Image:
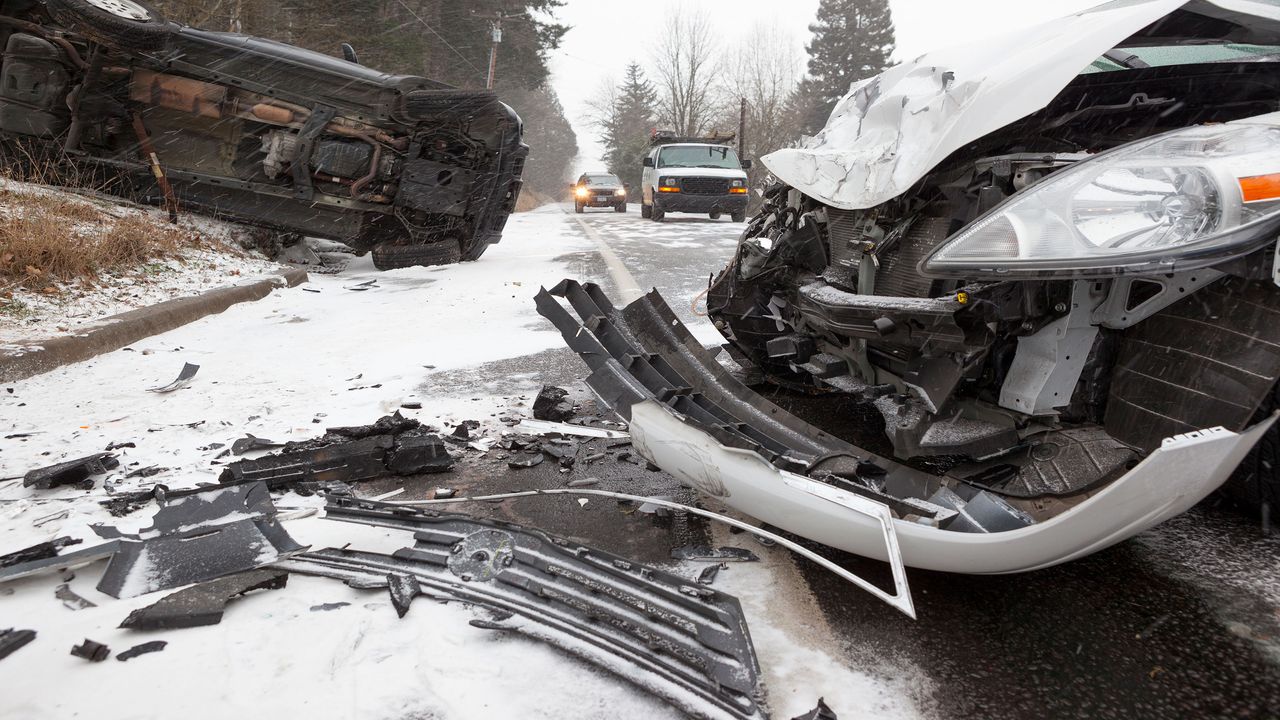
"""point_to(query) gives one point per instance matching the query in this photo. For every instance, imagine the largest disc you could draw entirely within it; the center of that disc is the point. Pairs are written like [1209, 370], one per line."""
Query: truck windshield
[704, 156]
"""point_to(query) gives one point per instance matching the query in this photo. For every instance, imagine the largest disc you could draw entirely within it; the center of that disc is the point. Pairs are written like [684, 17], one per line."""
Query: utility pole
[742, 130]
[496, 38]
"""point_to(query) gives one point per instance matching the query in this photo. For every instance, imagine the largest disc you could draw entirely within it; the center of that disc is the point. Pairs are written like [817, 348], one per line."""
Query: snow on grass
[196, 255]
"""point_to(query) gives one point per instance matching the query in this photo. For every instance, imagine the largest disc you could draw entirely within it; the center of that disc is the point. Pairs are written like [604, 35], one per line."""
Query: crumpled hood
[890, 130]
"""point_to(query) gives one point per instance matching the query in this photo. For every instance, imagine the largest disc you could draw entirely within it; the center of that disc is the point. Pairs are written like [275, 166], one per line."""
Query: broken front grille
[704, 186]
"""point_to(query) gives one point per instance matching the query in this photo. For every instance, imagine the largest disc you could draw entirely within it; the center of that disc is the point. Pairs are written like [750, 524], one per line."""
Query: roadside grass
[49, 239]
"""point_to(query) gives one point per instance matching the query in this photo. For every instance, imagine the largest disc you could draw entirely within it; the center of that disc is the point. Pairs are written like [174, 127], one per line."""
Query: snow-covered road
[342, 350]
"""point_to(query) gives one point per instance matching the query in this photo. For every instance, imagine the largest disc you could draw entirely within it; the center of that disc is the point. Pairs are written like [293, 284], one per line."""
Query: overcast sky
[606, 35]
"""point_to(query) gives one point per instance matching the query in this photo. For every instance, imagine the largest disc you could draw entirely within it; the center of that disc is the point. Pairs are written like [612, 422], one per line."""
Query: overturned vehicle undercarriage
[1052, 294]
[113, 96]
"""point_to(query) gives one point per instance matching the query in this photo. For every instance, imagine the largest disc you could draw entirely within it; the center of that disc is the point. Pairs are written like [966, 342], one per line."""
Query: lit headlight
[1177, 201]
[581, 192]
[620, 192]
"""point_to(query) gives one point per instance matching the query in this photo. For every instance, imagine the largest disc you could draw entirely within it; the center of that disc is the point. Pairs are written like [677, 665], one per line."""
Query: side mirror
[648, 162]
[746, 164]
[626, 186]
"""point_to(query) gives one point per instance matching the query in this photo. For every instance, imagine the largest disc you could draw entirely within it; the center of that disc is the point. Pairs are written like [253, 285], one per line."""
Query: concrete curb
[117, 331]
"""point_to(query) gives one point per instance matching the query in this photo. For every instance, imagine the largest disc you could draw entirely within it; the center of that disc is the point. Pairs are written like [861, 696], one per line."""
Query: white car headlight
[1176, 201]
[736, 183]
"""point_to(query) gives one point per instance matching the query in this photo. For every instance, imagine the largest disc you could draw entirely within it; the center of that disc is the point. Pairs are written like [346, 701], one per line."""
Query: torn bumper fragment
[686, 643]
[692, 418]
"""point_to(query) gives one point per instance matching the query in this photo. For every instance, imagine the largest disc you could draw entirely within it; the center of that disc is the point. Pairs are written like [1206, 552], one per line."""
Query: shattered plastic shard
[202, 604]
[72, 472]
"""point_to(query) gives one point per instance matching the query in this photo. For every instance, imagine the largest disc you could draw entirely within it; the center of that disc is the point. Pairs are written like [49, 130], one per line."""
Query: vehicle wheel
[1257, 478]
[125, 24]
[646, 211]
[739, 216]
[715, 216]
[577, 208]
[658, 213]
[390, 257]
[620, 207]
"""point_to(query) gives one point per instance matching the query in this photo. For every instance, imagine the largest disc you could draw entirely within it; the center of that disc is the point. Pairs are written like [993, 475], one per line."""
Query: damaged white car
[1043, 270]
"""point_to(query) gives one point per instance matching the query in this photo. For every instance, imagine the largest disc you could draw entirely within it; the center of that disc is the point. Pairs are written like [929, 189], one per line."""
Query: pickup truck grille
[704, 186]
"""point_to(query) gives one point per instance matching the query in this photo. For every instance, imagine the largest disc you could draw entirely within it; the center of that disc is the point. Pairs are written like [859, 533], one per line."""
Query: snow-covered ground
[31, 314]
[340, 350]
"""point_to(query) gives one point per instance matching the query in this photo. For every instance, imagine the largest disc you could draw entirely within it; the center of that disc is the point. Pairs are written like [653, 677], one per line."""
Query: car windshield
[601, 180]
[702, 156]
[1187, 55]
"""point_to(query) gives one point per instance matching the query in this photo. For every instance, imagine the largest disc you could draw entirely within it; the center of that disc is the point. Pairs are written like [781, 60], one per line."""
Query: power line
[446, 42]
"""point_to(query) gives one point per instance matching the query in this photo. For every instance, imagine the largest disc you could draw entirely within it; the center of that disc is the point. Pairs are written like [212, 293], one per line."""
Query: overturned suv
[256, 131]
[1038, 307]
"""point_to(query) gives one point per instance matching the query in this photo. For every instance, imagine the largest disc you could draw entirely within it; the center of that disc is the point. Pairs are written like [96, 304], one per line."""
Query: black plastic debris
[39, 551]
[394, 445]
[821, 712]
[119, 446]
[404, 588]
[552, 404]
[184, 379]
[525, 460]
[720, 554]
[325, 607]
[709, 573]
[202, 604]
[145, 472]
[92, 651]
[464, 428]
[600, 607]
[72, 472]
[70, 599]
[58, 562]
[250, 442]
[143, 649]
[198, 537]
[11, 640]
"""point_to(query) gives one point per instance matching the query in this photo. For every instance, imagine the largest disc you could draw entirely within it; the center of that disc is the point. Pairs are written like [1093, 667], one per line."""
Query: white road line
[628, 288]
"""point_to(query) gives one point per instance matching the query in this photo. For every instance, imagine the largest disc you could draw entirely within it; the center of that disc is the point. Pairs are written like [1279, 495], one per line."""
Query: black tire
[110, 29]
[391, 257]
[657, 213]
[646, 211]
[739, 216]
[620, 207]
[1257, 479]
[419, 105]
[577, 207]
[714, 216]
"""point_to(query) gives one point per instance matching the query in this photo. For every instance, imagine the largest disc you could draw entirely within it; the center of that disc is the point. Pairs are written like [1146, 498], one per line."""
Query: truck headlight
[620, 192]
[1177, 201]
[581, 192]
[736, 183]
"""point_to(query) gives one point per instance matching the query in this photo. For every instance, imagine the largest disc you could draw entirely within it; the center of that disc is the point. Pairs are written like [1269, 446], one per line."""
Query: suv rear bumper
[679, 202]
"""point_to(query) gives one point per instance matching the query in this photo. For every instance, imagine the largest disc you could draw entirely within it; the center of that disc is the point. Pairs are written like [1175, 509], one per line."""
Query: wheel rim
[126, 9]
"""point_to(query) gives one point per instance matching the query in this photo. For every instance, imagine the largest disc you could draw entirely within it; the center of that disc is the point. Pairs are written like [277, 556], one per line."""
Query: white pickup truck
[693, 175]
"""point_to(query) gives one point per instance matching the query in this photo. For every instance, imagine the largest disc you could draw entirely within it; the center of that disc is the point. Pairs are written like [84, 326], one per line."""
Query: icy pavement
[341, 350]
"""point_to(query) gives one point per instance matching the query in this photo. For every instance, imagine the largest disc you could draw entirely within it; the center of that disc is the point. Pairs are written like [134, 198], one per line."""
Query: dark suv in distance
[599, 190]
[256, 131]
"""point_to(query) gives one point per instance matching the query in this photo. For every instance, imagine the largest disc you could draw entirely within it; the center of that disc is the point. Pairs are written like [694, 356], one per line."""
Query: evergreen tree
[626, 125]
[852, 40]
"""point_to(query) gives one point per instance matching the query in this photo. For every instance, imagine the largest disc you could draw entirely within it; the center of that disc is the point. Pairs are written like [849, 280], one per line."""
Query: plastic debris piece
[72, 472]
[250, 442]
[92, 651]
[552, 404]
[821, 712]
[325, 607]
[444, 492]
[720, 554]
[11, 640]
[143, 649]
[404, 588]
[545, 427]
[202, 604]
[584, 482]
[39, 551]
[184, 379]
[709, 573]
[525, 460]
[70, 599]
